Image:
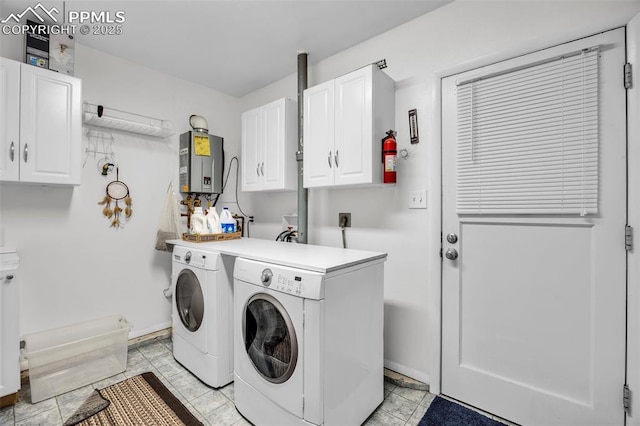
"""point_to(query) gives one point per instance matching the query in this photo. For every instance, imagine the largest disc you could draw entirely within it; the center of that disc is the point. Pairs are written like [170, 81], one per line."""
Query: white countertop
[303, 256]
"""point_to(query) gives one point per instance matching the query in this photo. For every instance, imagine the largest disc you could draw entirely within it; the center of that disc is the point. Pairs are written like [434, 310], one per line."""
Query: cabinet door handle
[258, 169]
[329, 159]
[25, 154]
[336, 158]
[262, 169]
[12, 151]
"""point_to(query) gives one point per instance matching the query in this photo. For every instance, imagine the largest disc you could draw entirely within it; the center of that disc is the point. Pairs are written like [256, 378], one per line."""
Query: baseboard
[149, 337]
[406, 371]
[7, 400]
[134, 334]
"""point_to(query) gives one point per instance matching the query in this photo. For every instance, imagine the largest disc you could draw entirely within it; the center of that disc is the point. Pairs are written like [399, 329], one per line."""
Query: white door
[251, 150]
[354, 127]
[9, 120]
[273, 119]
[318, 135]
[50, 127]
[534, 306]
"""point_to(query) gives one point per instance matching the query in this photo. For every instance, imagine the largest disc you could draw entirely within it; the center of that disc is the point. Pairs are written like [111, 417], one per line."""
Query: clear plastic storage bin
[67, 358]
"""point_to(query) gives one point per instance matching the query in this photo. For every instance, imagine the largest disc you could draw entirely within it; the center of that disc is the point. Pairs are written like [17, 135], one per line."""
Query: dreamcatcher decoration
[117, 191]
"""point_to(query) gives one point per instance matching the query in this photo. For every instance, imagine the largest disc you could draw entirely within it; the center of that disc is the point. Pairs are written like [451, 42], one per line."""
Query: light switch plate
[418, 199]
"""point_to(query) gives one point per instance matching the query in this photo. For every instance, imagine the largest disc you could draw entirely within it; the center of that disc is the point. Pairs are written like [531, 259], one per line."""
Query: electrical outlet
[344, 219]
[418, 199]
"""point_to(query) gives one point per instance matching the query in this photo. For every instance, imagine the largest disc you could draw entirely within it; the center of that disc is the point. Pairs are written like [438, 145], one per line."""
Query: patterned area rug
[140, 400]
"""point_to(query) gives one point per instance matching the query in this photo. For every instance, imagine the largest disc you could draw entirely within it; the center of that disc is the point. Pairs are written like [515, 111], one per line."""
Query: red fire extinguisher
[389, 157]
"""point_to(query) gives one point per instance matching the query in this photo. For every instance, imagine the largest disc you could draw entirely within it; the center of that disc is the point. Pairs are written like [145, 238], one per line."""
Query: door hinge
[628, 238]
[628, 79]
[626, 399]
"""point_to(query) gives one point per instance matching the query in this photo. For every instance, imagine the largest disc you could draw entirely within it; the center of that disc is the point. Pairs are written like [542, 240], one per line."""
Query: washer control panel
[293, 281]
[288, 284]
[266, 276]
[196, 258]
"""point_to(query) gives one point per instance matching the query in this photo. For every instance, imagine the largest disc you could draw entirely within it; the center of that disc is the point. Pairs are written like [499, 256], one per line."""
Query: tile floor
[401, 406]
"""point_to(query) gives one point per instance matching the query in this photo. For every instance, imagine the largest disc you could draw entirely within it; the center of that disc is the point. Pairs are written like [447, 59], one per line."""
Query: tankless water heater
[201, 163]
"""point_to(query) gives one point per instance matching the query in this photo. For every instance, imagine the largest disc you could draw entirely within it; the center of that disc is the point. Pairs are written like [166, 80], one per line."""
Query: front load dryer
[308, 344]
[203, 314]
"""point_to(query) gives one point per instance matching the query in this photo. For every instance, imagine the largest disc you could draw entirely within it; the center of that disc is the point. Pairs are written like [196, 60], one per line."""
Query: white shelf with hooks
[110, 118]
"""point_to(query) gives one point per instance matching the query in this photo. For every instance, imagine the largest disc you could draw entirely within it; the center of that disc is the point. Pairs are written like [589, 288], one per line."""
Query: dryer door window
[189, 300]
[269, 338]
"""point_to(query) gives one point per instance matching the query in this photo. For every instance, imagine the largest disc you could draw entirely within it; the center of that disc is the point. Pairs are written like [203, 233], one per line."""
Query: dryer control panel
[286, 284]
[196, 258]
[297, 282]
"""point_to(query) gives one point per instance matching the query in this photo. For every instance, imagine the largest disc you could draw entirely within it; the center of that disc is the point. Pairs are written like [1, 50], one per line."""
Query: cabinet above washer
[269, 143]
[345, 120]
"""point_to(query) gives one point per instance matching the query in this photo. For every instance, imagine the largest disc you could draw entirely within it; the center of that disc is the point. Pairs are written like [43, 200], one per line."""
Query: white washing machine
[308, 345]
[202, 285]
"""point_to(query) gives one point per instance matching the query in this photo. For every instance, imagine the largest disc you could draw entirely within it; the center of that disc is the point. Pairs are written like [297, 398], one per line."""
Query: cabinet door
[318, 135]
[9, 333]
[353, 127]
[9, 119]
[251, 150]
[273, 130]
[50, 127]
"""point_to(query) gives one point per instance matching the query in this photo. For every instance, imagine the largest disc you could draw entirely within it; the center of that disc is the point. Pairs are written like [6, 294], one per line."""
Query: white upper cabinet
[269, 143]
[318, 135]
[9, 120]
[345, 121]
[41, 132]
[251, 150]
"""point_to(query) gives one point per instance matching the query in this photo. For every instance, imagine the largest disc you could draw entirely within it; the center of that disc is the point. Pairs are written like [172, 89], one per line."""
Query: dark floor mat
[442, 412]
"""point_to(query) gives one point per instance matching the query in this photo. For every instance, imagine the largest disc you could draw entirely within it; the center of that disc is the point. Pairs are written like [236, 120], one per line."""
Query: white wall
[74, 267]
[462, 32]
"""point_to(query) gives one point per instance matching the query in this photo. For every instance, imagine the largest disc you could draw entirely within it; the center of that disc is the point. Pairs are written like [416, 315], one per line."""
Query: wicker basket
[203, 238]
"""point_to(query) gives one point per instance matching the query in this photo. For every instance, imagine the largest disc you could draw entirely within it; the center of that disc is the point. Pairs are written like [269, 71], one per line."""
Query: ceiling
[234, 46]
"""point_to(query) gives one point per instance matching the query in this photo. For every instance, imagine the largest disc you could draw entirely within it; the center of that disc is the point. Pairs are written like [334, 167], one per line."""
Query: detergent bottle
[213, 221]
[227, 222]
[198, 221]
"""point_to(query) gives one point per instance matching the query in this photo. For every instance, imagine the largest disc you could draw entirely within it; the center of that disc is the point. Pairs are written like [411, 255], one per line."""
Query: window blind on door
[527, 139]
